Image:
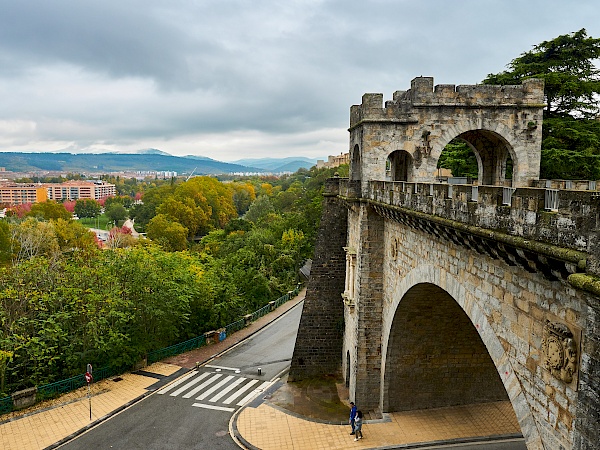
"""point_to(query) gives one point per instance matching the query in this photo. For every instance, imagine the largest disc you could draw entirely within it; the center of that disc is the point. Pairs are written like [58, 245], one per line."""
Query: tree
[32, 238]
[72, 235]
[116, 212]
[571, 131]
[566, 64]
[5, 246]
[259, 209]
[49, 210]
[170, 235]
[87, 207]
[459, 158]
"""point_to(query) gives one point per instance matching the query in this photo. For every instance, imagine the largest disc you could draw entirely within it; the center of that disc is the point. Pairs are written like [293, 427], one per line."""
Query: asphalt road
[194, 412]
[511, 444]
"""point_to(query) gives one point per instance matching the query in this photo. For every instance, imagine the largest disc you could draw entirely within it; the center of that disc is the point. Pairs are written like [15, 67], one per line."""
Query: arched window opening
[399, 166]
[355, 164]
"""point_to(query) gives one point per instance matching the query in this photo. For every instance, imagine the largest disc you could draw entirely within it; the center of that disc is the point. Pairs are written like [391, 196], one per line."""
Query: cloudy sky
[232, 79]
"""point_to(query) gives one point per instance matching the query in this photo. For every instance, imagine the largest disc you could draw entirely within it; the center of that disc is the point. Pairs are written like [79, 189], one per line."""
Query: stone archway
[399, 165]
[436, 356]
[355, 165]
[435, 283]
[492, 152]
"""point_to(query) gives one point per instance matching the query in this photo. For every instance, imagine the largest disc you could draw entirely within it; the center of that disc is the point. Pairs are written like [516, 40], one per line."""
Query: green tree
[459, 158]
[116, 212]
[87, 207]
[570, 132]
[567, 66]
[5, 244]
[49, 210]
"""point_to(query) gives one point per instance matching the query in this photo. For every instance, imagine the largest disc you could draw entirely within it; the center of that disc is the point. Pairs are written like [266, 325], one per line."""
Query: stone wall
[318, 349]
[508, 307]
[369, 306]
[587, 419]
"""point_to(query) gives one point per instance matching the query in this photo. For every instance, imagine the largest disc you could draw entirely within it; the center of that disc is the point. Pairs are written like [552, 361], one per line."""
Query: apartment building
[19, 193]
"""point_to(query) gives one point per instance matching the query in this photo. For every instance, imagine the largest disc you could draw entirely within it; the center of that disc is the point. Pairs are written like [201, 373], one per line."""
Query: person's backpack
[359, 414]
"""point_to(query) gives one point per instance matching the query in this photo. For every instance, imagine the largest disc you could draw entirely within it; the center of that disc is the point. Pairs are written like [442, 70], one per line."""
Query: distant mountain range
[144, 160]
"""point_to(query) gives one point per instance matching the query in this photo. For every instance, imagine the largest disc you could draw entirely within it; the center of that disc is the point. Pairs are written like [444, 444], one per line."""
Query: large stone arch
[429, 274]
[492, 147]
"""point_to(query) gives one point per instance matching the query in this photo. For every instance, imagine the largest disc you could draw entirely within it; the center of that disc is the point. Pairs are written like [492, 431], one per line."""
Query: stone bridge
[427, 294]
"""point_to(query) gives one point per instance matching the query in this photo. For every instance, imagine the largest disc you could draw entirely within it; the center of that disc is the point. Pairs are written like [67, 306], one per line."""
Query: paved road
[194, 411]
[512, 444]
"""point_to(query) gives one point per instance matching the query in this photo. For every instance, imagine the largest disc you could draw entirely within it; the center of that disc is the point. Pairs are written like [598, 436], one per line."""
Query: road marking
[234, 369]
[215, 387]
[176, 383]
[254, 393]
[219, 408]
[203, 385]
[186, 386]
[227, 389]
[240, 391]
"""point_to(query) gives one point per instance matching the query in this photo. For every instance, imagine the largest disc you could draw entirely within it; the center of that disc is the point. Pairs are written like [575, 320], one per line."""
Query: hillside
[116, 162]
[289, 164]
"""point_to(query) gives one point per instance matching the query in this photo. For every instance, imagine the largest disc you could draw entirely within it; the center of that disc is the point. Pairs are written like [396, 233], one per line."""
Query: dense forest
[216, 251]
[571, 126]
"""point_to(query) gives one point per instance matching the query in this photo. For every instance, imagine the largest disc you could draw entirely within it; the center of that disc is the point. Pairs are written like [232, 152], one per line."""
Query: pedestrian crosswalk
[216, 390]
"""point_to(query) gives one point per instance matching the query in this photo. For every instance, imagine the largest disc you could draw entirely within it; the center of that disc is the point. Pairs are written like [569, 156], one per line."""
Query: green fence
[176, 349]
[6, 405]
[70, 384]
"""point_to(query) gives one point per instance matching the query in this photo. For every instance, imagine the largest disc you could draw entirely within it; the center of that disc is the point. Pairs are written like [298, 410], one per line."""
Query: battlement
[561, 218]
[423, 93]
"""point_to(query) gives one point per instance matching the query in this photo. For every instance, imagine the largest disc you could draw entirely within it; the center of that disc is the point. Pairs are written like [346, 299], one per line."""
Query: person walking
[358, 425]
[352, 416]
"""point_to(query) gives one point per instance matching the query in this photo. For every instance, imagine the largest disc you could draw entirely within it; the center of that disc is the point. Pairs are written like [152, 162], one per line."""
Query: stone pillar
[369, 307]
[318, 349]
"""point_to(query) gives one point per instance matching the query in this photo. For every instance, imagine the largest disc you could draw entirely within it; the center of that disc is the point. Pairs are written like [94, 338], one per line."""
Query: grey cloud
[120, 71]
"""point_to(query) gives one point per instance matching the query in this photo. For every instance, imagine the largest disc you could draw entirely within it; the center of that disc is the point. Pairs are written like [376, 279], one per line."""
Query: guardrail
[70, 384]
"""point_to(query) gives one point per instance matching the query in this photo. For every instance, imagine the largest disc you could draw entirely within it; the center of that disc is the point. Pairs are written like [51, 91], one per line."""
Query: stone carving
[560, 351]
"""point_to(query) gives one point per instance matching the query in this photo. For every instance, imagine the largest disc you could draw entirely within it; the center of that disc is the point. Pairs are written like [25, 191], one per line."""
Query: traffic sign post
[89, 378]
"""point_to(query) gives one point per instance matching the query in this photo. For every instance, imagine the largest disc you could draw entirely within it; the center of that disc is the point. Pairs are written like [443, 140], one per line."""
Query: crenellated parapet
[543, 230]
[423, 93]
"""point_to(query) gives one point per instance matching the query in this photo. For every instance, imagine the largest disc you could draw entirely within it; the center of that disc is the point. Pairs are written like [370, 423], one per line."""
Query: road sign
[89, 369]
[88, 377]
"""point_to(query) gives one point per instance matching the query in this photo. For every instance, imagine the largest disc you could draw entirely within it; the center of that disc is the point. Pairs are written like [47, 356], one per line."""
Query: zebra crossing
[216, 390]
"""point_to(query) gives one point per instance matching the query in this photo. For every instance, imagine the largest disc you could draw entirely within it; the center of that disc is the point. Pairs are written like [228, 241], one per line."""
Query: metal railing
[57, 388]
[6, 405]
[177, 349]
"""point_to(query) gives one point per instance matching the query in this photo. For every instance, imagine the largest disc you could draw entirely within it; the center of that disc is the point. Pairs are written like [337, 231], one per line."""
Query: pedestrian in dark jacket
[352, 415]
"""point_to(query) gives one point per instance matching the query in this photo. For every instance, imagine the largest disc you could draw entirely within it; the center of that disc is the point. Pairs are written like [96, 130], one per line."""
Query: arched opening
[399, 166]
[457, 161]
[482, 155]
[348, 369]
[435, 356]
[355, 164]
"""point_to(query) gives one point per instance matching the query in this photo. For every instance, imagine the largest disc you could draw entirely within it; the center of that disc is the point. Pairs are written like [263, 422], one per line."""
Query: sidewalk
[267, 427]
[264, 423]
